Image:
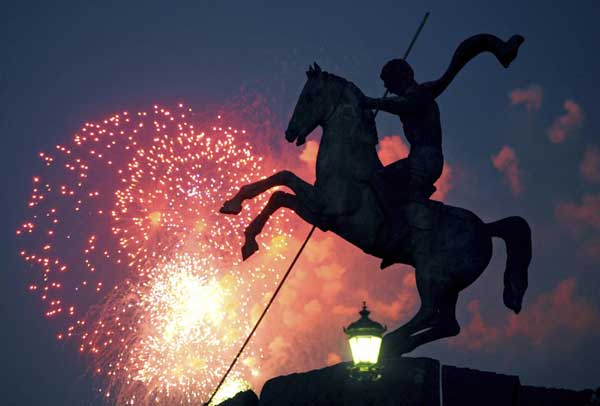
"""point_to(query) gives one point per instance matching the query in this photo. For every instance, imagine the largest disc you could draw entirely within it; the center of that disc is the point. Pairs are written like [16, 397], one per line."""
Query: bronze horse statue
[449, 247]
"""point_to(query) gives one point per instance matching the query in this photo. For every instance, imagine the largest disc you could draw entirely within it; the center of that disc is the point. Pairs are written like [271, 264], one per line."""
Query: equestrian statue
[386, 210]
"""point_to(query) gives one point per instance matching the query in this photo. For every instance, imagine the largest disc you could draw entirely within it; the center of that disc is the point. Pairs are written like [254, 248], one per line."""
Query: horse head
[316, 102]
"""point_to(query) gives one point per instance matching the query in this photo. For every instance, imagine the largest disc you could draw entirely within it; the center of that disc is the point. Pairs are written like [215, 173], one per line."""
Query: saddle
[404, 213]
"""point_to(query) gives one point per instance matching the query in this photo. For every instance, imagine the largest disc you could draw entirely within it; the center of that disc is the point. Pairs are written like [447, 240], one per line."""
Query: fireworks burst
[134, 261]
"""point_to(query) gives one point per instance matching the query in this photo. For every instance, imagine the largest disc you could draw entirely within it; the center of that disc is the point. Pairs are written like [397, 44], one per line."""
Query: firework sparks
[134, 261]
[229, 389]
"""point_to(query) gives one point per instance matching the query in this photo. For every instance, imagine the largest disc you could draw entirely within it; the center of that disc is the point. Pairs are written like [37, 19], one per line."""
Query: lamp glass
[365, 349]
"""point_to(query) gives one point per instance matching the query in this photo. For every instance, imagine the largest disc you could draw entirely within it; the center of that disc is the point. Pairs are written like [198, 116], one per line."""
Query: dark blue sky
[67, 62]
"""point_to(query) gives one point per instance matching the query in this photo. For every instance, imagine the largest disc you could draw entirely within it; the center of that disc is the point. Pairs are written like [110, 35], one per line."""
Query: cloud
[330, 272]
[444, 183]
[554, 313]
[313, 307]
[293, 319]
[333, 358]
[343, 310]
[309, 153]
[530, 96]
[477, 334]
[399, 307]
[330, 289]
[582, 220]
[393, 148]
[507, 162]
[319, 251]
[590, 249]
[543, 322]
[566, 124]
[395, 310]
[579, 217]
[288, 296]
[590, 166]
[279, 349]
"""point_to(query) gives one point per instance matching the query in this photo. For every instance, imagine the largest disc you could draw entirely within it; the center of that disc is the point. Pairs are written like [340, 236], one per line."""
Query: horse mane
[370, 129]
[314, 71]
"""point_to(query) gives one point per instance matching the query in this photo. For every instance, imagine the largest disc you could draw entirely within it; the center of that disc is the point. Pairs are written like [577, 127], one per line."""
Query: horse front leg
[276, 201]
[282, 178]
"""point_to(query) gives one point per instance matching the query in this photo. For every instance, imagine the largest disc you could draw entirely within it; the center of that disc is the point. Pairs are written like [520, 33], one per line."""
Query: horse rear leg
[282, 178]
[446, 324]
[440, 323]
[395, 343]
[276, 201]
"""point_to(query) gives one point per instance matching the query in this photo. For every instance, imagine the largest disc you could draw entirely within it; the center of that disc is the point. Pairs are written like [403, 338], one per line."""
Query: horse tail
[516, 234]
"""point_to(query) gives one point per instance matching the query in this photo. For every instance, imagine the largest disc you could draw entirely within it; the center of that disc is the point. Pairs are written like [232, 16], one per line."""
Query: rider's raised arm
[394, 105]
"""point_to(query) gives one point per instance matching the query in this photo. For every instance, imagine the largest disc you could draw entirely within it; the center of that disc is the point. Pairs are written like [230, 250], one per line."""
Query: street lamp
[364, 336]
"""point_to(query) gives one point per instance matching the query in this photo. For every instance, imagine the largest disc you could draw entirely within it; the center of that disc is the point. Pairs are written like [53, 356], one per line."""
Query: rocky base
[405, 382]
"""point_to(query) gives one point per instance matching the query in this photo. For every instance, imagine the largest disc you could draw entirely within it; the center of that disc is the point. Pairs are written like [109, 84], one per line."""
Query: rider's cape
[505, 52]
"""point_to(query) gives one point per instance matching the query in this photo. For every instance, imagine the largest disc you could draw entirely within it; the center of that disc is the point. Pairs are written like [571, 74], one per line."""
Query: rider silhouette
[418, 111]
[411, 180]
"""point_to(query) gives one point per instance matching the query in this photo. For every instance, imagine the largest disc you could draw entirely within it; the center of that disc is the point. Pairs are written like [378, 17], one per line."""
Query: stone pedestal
[403, 382]
[406, 382]
[464, 387]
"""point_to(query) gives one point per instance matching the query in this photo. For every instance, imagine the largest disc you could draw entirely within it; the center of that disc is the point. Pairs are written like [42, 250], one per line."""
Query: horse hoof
[249, 248]
[231, 207]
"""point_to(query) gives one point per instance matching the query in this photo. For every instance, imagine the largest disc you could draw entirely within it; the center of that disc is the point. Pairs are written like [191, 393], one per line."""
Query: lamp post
[364, 336]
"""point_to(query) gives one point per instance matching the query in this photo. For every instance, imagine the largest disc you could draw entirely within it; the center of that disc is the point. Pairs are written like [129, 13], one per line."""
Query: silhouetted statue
[386, 211]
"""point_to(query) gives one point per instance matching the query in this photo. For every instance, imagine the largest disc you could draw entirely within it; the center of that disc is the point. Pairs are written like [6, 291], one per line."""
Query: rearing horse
[449, 247]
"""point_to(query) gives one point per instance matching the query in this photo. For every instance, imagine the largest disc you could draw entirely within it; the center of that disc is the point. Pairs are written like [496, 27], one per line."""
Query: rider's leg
[425, 168]
[305, 190]
[391, 187]
[391, 184]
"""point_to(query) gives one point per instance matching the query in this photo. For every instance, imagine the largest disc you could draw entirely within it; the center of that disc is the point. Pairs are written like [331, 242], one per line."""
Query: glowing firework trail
[133, 259]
